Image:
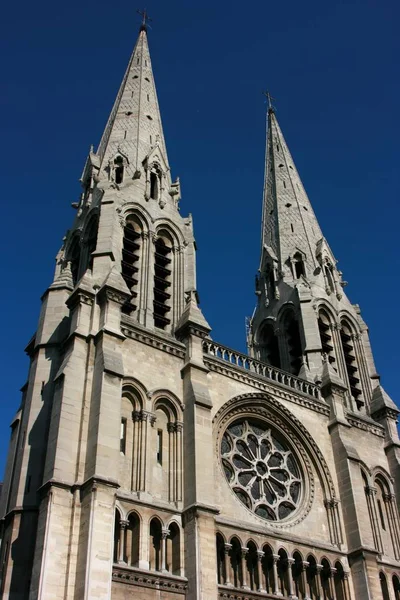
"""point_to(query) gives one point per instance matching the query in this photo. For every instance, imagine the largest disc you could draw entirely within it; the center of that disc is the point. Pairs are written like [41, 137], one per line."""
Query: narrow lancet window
[118, 170]
[130, 262]
[162, 283]
[154, 186]
[293, 341]
[299, 269]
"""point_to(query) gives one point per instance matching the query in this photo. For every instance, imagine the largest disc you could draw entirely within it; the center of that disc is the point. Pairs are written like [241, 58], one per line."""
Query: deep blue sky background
[333, 68]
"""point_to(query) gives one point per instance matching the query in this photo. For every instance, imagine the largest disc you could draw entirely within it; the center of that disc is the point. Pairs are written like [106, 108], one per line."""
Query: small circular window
[262, 469]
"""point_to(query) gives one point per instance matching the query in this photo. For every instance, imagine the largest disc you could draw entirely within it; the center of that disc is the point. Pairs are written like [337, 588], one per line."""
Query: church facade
[149, 461]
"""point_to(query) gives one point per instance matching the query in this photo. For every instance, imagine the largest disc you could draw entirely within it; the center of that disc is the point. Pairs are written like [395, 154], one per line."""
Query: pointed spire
[134, 127]
[289, 224]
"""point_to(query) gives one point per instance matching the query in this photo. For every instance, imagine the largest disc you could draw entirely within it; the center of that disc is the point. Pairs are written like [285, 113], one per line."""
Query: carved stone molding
[147, 579]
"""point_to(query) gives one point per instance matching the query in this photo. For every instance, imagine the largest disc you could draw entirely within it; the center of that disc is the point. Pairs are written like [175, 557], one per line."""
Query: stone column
[227, 549]
[171, 461]
[260, 556]
[371, 501]
[122, 537]
[318, 580]
[275, 558]
[179, 427]
[303, 575]
[346, 585]
[290, 565]
[244, 552]
[164, 535]
[332, 582]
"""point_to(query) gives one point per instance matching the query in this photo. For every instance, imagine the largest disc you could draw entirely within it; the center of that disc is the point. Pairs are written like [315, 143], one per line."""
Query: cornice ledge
[259, 382]
[165, 582]
[149, 338]
[365, 424]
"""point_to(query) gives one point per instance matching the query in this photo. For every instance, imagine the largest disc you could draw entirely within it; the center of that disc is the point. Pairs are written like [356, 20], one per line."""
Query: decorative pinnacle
[269, 98]
[145, 18]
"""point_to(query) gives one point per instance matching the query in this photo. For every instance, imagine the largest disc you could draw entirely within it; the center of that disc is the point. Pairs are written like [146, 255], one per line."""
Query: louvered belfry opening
[162, 283]
[130, 263]
[325, 333]
[292, 335]
[351, 363]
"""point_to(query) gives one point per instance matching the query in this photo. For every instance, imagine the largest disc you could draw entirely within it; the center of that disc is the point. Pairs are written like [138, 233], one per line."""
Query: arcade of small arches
[160, 287]
[394, 581]
[156, 547]
[264, 570]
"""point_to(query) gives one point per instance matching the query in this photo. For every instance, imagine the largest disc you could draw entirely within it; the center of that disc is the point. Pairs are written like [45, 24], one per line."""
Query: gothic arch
[169, 404]
[291, 338]
[136, 391]
[261, 405]
[168, 225]
[267, 343]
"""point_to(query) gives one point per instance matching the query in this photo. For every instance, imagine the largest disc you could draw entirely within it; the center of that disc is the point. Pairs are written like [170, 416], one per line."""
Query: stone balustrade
[248, 363]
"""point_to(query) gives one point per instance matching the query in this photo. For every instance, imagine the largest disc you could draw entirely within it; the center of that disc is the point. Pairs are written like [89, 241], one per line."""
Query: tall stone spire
[303, 322]
[134, 126]
[289, 224]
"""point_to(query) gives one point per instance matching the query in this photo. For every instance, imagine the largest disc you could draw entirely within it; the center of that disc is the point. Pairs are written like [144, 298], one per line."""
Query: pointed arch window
[154, 185]
[298, 264]
[329, 278]
[118, 169]
[162, 281]
[350, 358]
[131, 251]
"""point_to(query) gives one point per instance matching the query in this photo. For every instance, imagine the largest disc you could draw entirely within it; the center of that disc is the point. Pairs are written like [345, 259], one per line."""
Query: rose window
[261, 469]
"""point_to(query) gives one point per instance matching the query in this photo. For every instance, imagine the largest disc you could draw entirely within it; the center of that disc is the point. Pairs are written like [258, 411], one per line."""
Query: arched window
[347, 338]
[118, 169]
[173, 550]
[396, 587]
[131, 250]
[338, 579]
[283, 573]
[252, 567]
[293, 342]
[298, 264]
[297, 571]
[269, 347]
[385, 516]
[155, 545]
[74, 256]
[268, 569]
[221, 571]
[162, 281]
[311, 576]
[154, 185]
[133, 540]
[384, 586]
[326, 580]
[325, 333]
[235, 555]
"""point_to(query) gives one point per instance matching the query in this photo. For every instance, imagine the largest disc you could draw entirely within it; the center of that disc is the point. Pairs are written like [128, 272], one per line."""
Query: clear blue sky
[333, 68]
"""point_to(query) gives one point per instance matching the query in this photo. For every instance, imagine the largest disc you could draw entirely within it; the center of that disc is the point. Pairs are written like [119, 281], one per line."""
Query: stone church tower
[149, 461]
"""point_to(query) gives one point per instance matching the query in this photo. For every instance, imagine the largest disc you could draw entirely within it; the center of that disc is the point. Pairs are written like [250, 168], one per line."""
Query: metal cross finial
[269, 100]
[145, 17]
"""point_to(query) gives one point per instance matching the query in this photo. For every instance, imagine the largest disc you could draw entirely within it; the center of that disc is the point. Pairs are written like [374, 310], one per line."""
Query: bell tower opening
[269, 347]
[325, 333]
[350, 360]
[118, 169]
[162, 282]
[130, 261]
[293, 341]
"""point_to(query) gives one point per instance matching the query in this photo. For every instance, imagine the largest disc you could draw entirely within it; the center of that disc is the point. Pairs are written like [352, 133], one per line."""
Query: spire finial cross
[145, 17]
[269, 100]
